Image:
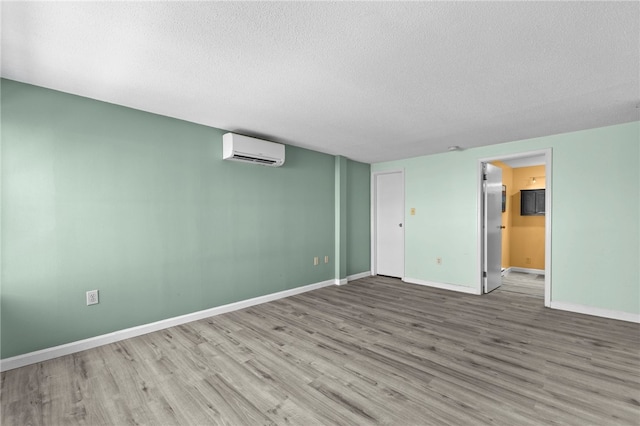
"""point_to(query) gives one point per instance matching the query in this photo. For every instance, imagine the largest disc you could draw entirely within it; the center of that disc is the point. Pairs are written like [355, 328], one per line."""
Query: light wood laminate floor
[375, 351]
[521, 282]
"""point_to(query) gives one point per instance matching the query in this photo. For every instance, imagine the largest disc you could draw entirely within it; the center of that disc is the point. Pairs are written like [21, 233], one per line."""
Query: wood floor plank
[375, 351]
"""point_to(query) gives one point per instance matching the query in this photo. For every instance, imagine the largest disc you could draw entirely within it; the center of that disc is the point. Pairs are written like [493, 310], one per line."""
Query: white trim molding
[127, 333]
[340, 281]
[598, 312]
[359, 276]
[444, 286]
[527, 270]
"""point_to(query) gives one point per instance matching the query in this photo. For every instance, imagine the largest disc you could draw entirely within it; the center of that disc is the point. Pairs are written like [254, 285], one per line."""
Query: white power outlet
[92, 297]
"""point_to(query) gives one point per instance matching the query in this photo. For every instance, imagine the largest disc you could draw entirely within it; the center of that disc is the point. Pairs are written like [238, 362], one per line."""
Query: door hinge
[484, 274]
[484, 176]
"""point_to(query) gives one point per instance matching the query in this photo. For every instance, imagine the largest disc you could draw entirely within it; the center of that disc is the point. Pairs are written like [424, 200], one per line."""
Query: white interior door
[492, 199]
[389, 224]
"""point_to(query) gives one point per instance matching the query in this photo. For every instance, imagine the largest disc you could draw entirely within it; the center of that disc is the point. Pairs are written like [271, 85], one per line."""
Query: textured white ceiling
[370, 81]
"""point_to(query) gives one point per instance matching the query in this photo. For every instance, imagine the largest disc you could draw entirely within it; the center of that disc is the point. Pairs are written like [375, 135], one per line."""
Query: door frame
[374, 193]
[547, 218]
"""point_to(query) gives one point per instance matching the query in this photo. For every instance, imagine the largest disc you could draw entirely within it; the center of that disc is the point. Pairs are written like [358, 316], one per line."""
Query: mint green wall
[358, 217]
[595, 218]
[340, 255]
[352, 217]
[141, 207]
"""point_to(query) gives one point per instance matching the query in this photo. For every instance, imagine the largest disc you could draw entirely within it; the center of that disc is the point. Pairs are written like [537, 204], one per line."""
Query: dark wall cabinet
[532, 202]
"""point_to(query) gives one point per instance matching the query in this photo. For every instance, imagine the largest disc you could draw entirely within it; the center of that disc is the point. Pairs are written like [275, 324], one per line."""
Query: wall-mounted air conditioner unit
[252, 150]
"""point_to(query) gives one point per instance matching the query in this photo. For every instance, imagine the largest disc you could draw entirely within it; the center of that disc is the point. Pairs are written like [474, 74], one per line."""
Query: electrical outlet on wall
[438, 261]
[316, 261]
[92, 297]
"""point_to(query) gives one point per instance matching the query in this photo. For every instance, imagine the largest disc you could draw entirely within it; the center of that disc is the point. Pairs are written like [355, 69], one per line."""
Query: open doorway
[525, 218]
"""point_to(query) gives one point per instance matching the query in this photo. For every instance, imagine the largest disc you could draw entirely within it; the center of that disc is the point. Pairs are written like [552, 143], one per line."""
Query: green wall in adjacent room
[595, 210]
[143, 208]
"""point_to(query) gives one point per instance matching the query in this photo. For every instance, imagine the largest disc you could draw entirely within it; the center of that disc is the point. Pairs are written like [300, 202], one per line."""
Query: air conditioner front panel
[251, 150]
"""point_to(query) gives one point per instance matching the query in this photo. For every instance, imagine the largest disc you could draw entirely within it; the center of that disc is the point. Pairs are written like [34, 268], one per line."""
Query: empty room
[320, 213]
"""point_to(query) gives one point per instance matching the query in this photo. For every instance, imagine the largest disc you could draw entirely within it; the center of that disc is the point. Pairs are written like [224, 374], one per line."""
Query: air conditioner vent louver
[252, 150]
[253, 159]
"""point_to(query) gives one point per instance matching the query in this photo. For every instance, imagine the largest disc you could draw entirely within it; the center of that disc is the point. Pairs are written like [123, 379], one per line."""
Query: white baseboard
[127, 333]
[358, 276]
[343, 281]
[598, 312]
[526, 270]
[506, 272]
[443, 286]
